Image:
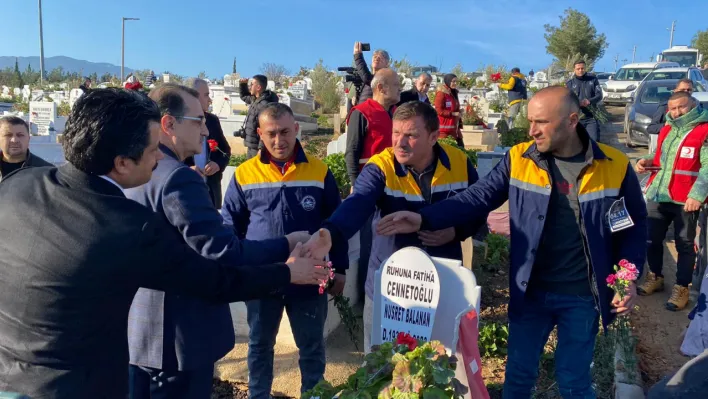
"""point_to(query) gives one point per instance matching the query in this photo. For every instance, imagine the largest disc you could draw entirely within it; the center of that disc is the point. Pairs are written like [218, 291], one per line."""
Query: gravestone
[42, 115]
[299, 89]
[410, 291]
[337, 146]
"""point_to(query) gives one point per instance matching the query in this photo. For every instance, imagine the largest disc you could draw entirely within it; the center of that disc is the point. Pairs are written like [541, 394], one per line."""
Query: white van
[621, 87]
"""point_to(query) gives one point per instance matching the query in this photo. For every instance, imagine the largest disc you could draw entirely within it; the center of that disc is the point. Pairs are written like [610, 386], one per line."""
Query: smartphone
[652, 168]
[366, 47]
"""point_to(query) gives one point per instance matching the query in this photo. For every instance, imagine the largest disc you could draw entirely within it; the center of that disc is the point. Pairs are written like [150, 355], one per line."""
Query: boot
[651, 285]
[679, 298]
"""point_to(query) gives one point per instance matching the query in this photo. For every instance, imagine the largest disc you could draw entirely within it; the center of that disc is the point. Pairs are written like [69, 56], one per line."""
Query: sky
[186, 37]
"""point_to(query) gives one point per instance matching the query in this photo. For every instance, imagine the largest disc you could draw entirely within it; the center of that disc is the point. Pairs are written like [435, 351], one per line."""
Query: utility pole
[634, 52]
[41, 46]
[671, 38]
[616, 59]
[122, 48]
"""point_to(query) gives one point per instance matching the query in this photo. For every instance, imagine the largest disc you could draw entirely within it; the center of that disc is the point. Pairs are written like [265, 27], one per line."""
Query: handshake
[306, 262]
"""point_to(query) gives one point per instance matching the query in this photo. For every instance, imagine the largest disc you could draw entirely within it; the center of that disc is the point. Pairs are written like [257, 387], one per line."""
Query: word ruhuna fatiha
[408, 291]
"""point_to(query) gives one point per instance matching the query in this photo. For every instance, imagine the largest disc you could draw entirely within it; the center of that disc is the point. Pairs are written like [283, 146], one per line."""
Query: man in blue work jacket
[280, 190]
[576, 209]
[175, 340]
[415, 172]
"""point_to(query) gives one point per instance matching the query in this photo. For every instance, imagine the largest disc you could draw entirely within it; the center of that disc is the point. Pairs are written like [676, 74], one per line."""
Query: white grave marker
[410, 291]
[42, 114]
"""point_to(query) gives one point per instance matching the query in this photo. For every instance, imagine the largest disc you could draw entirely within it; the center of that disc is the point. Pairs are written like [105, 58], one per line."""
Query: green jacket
[658, 191]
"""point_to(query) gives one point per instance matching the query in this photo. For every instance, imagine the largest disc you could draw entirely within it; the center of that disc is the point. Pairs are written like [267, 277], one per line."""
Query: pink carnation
[611, 279]
[627, 274]
[624, 262]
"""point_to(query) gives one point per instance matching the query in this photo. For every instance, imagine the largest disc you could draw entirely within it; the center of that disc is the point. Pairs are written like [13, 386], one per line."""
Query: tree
[202, 75]
[17, 75]
[404, 66]
[274, 72]
[233, 70]
[304, 71]
[56, 75]
[106, 77]
[94, 78]
[457, 70]
[575, 35]
[325, 88]
[700, 41]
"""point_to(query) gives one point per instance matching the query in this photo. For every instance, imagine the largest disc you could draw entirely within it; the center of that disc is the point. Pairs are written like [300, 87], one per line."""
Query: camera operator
[255, 93]
[379, 60]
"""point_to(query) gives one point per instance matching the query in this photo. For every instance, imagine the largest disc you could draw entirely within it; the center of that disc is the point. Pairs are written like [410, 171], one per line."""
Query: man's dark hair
[579, 62]
[13, 121]
[515, 70]
[262, 80]
[275, 111]
[412, 109]
[685, 80]
[169, 99]
[105, 124]
[679, 95]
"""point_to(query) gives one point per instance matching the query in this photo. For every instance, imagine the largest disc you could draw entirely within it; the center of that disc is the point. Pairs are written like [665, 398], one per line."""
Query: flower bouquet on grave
[344, 308]
[404, 369]
[495, 77]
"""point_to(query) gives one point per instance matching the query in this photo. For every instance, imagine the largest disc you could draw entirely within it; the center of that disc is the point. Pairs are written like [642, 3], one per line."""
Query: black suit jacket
[411, 95]
[74, 252]
[220, 157]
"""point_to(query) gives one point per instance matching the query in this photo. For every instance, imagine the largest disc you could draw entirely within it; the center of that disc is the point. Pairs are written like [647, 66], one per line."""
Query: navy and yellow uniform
[262, 202]
[270, 199]
[387, 186]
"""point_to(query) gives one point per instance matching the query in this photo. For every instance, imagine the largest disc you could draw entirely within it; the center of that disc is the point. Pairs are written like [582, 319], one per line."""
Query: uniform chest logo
[308, 203]
[688, 152]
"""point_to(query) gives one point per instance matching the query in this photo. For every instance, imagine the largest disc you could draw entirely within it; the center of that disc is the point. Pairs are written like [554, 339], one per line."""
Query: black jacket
[31, 161]
[366, 76]
[221, 158]
[74, 252]
[658, 120]
[411, 95]
[586, 87]
[250, 135]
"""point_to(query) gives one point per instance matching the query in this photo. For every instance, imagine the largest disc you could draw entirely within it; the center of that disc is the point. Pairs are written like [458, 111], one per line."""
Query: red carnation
[213, 145]
[496, 77]
[406, 339]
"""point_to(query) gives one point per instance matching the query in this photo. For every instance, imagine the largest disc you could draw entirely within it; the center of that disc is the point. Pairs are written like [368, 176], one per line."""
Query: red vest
[449, 125]
[687, 164]
[380, 129]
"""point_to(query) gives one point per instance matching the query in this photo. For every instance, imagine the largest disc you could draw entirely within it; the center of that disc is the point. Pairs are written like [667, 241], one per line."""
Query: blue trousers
[592, 127]
[577, 321]
[307, 318]
[149, 383]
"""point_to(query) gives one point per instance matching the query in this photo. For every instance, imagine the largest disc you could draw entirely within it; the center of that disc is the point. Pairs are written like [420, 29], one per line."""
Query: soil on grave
[658, 330]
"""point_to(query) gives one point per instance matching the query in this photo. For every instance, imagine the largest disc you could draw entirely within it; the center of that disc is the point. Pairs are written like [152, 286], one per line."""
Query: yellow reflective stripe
[599, 194]
[294, 183]
[401, 194]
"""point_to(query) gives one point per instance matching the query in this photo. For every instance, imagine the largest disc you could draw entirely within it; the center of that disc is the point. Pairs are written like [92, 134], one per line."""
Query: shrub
[493, 339]
[237, 160]
[515, 136]
[497, 251]
[471, 154]
[338, 167]
[323, 121]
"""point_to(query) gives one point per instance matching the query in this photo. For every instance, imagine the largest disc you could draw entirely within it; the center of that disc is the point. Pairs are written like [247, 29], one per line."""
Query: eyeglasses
[200, 119]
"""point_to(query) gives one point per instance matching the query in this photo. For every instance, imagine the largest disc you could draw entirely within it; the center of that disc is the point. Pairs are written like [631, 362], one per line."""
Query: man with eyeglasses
[658, 120]
[174, 341]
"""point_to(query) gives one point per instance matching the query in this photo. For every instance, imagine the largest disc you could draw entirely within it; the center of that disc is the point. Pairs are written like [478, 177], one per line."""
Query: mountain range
[69, 64]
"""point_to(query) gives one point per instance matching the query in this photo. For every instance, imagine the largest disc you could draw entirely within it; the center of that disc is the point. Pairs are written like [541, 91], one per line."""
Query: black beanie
[448, 79]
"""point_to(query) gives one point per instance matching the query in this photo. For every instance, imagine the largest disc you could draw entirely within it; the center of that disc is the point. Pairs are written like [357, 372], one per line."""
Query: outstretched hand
[318, 245]
[401, 222]
[305, 271]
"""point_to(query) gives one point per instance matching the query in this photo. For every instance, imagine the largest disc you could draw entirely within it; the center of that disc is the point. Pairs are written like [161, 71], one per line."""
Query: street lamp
[122, 48]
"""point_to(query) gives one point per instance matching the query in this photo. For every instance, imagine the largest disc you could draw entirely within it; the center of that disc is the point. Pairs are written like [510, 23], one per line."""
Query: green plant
[521, 120]
[21, 107]
[415, 370]
[497, 251]
[64, 109]
[243, 112]
[493, 339]
[323, 121]
[338, 167]
[515, 136]
[431, 96]
[600, 113]
[237, 160]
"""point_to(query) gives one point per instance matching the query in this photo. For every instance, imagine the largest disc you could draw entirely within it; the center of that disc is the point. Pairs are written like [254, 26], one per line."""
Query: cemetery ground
[657, 330]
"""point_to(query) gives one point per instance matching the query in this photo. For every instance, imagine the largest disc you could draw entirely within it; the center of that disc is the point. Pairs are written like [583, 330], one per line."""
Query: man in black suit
[75, 250]
[419, 92]
[211, 162]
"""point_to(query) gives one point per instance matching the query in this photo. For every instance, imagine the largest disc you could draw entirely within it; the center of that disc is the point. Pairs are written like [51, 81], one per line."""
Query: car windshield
[659, 75]
[603, 75]
[656, 94]
[685, 59]
[632, 74]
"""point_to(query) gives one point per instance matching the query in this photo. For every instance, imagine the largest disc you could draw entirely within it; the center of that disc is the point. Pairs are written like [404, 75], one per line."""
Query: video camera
[353, 78]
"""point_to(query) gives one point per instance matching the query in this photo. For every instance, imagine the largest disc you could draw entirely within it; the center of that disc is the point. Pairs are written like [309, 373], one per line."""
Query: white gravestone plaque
[42, 114]
[410, 291]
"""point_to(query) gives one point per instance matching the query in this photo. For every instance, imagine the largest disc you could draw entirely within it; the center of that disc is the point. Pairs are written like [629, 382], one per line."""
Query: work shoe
[651, 285]
[679, 298]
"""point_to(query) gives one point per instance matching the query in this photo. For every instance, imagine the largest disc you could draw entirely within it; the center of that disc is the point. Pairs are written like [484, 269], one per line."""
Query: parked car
[679, 73]
[603, 77]
[621, 87]
[649, 97]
